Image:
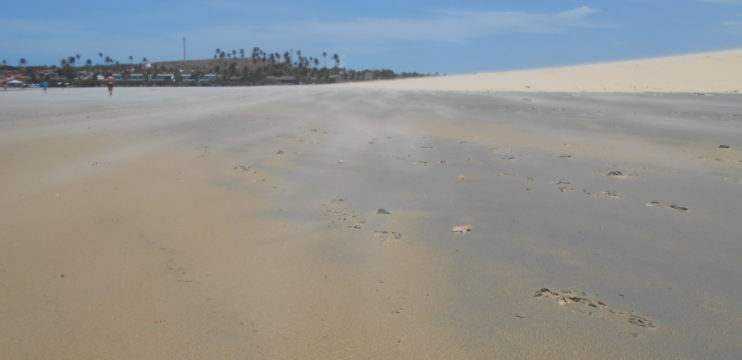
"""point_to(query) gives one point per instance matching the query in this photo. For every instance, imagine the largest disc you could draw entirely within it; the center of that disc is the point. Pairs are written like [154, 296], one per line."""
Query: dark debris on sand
[382, 211]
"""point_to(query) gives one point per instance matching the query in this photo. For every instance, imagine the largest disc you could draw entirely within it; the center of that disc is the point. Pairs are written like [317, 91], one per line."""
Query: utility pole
[184, 48]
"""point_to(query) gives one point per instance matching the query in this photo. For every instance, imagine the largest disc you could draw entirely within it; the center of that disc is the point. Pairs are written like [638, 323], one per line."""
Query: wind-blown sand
[244, 223]
[707, 72]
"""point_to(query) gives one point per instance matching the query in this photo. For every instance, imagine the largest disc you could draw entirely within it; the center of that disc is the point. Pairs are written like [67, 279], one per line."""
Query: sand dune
[718, 72]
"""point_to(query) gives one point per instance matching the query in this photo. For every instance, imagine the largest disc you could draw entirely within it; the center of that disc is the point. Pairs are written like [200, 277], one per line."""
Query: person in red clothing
[110, 80]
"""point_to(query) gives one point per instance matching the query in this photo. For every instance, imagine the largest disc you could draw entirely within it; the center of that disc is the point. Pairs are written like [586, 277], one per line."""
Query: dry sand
[718, 72]
[242, 223]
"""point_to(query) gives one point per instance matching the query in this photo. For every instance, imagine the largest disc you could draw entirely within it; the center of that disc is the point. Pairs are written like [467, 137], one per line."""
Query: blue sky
[429, 36]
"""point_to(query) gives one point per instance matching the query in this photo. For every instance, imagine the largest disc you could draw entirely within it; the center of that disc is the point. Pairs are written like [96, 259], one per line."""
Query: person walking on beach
[110, 80]
[44, 85]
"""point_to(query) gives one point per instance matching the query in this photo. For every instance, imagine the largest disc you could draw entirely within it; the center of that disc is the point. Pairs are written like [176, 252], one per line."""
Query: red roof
[14, 76]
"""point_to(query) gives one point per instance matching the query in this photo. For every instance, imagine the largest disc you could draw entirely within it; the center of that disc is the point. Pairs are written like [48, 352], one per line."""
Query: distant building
[14, 80]
[49, 74]
[136, 77]
[118, 77]
[84, 75]
[187, 77]
[337, 78]
[207, 77]
[15, 77]
[286, 79]
[164, 77]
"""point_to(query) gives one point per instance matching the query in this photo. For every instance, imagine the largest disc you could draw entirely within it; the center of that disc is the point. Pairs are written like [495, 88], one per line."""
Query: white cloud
[449, 26]
[722, 1]
[361, 35]
[732, 26]
[579, 12]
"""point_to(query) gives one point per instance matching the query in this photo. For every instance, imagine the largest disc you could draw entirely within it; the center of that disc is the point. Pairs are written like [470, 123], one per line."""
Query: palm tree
[144, 60]
[5, 62]
[100, 54]
[78, 58]
[336, 57]
[255, 54]
[131, 59]
[22, 61]
[88, 62]
[242, 53]
[71, 60]
[324, 55]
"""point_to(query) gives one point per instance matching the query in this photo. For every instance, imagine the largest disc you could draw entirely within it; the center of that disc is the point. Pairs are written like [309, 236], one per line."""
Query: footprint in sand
[610, 194]
[387, 236]
[672, 206]
[581, 302]
[678, 207]
[565, 186]
[339, 214]
[617, 174]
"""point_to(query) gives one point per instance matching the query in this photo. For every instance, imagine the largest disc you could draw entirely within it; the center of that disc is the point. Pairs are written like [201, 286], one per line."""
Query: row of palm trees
[265, 68]
[104, 60]
[288, 57]
[76, 60]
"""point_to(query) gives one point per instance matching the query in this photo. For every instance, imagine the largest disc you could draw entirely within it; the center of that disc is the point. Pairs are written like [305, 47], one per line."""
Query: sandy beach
[314, 222]
[716, 72]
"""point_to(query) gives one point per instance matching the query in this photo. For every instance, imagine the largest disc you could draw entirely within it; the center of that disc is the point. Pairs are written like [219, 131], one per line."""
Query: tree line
[227, 67]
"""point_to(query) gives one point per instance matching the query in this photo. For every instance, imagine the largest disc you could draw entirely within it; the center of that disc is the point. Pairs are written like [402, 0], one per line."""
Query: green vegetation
[228, 67]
